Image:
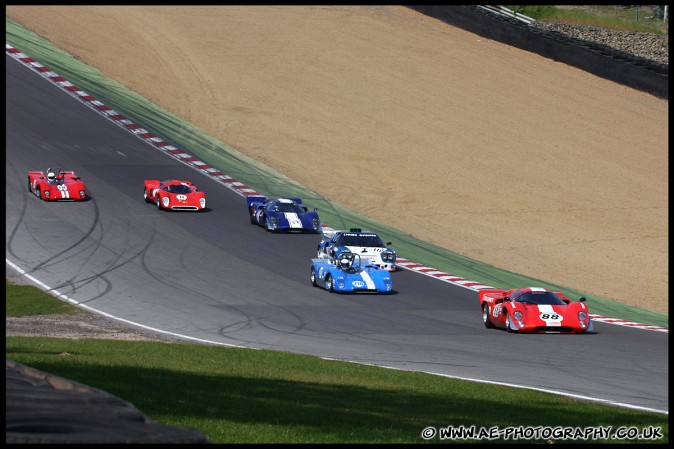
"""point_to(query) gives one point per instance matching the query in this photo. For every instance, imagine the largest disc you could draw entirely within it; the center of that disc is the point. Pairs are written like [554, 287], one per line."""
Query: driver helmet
[345, 262]
[51, 176]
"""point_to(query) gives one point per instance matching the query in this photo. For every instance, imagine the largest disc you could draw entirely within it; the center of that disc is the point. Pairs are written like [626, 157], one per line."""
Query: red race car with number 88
[534, 310]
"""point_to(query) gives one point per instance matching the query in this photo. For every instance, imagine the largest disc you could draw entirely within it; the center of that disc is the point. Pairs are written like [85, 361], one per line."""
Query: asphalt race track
[213, 276]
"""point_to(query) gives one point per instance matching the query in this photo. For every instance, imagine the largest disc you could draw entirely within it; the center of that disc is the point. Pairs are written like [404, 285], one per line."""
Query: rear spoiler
[255, 199]
[490, 292]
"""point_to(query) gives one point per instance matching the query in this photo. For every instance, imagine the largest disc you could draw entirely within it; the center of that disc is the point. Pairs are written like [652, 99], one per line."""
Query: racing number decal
[549, 316]
[64, 190]
[497, 310]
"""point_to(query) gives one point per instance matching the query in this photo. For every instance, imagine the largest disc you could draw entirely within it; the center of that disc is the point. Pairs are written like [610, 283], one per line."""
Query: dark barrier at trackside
[600, 60]
[45, 409]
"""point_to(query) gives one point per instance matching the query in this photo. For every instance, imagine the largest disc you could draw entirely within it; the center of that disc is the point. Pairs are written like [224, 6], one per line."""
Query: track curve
[213, 276]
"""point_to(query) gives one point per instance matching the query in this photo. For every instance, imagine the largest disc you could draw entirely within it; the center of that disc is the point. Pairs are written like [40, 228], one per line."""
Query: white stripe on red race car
[236, 186]
[547, 314]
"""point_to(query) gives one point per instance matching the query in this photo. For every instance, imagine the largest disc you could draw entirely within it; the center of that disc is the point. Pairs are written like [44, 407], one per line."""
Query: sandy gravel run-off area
[537, 167]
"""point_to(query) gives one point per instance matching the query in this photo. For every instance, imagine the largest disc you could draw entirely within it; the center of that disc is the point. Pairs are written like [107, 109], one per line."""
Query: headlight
[582, 316]
[388, 257]
[202, 202]
[46, 193]
[517, 315]
[316, 223]
[165, 200]
[82, 194]
[274, 221]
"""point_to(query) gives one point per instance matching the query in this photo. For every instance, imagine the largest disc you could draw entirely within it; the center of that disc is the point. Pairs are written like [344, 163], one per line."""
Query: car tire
[329, 285]
[37, 192]
[158, 202]
[507, 321]
[485, 317]
[30, 189]
[313, 277]
[147, 199]
[252, 216]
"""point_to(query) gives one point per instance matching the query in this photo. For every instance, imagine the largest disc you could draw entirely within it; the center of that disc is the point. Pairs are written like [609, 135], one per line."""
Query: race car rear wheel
[329, 283]
[313, 277]
[147, 200]
[252, 216]
[485, 317]
[29, 187]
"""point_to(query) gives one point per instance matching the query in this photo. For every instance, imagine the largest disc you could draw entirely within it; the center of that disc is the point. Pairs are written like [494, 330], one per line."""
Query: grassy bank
[617, 17]
[257, 396]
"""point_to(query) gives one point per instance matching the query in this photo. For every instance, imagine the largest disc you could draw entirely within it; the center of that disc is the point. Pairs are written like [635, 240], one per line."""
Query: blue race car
[283, 215]
[368, 245]
[348, 275]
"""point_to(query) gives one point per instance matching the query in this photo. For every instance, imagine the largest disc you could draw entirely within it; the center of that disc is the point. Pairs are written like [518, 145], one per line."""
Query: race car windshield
[539, 298]
[288, 207]
[361, 240]
[178, 188]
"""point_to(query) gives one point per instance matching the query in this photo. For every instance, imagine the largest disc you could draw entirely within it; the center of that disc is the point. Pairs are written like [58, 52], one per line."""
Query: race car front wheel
[329, 283]
[508, 324]
[313, 277]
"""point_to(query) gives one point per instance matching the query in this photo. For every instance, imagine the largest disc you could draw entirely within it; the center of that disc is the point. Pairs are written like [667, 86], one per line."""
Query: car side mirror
[389, 243]
[582, 299]
[315, 209]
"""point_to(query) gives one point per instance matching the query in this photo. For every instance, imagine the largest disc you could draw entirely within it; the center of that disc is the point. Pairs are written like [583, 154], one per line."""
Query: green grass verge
[617, 17]
[26, 300]
[257, 396]
[271, 183]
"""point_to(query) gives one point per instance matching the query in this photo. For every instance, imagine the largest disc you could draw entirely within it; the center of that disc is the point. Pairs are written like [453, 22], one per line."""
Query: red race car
[534, 310]
[174, 195]
[56, 185]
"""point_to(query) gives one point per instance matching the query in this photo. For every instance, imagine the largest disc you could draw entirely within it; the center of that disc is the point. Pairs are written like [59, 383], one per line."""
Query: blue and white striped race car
[283, 215]
[368, 245]
[350, 274]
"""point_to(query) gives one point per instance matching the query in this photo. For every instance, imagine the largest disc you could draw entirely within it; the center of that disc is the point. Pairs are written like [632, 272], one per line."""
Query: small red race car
[56, 185]
[174, 195]
[534, 310]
